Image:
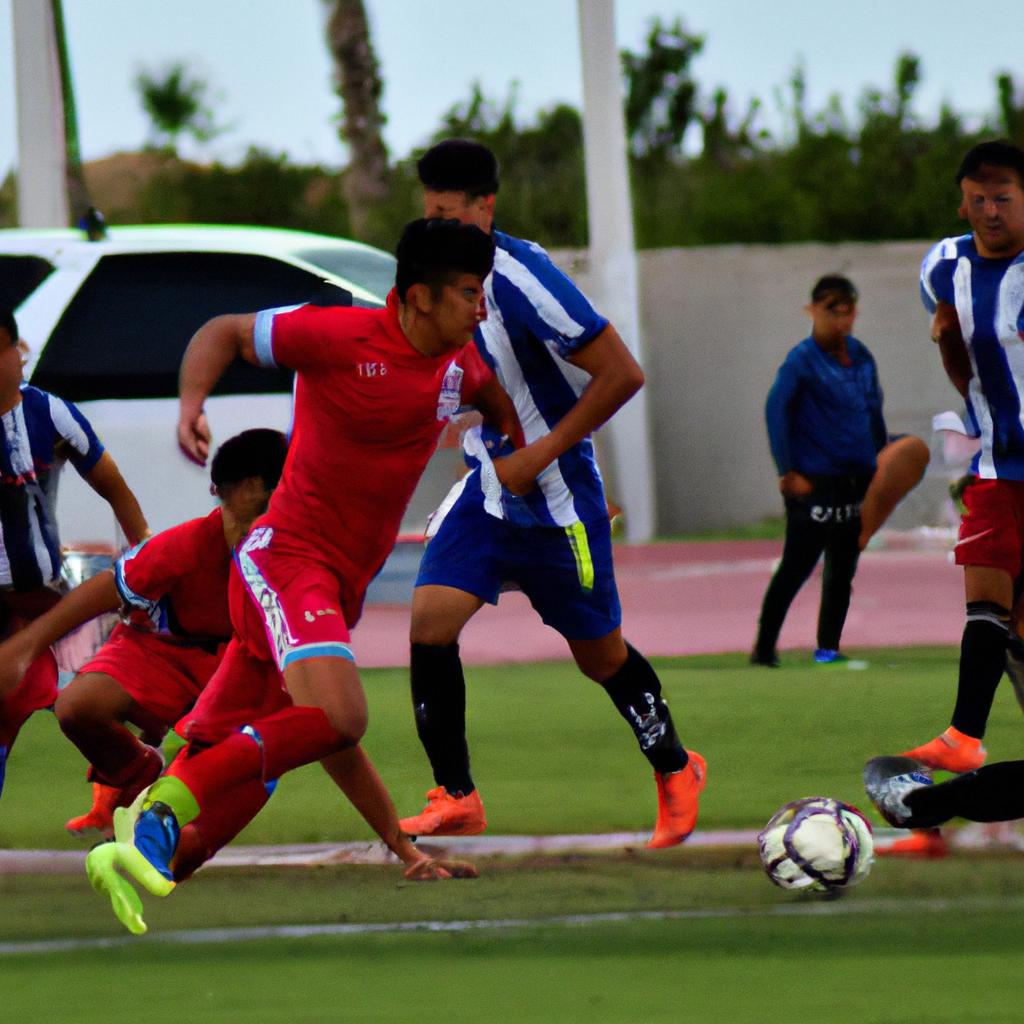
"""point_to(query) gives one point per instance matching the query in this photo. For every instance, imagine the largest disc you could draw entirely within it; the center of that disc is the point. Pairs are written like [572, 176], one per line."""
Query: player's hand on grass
[432, 869]
[194, 435]
[795, 485]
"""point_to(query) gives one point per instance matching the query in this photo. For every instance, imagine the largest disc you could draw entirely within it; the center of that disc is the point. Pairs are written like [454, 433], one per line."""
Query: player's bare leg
[901, 465]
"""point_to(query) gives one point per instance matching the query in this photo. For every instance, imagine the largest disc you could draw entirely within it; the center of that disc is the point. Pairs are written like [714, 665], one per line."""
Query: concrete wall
[717, 323]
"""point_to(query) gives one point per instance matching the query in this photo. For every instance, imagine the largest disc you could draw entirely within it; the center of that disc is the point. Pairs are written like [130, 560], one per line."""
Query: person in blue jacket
[825, 429]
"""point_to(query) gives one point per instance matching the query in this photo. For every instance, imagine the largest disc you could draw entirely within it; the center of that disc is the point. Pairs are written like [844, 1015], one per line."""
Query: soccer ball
[816, 845]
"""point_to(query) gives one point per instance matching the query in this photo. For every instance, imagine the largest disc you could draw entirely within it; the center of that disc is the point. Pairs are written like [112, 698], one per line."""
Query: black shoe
[769, 660]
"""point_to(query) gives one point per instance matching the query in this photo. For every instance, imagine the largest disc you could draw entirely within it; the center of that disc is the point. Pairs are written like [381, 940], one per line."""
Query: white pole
[42, 186]
[612, 250]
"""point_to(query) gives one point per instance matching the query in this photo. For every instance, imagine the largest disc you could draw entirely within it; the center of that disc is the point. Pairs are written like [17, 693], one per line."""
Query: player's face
[11, 362]
[993, 203]
[476, 210]
[457, 310]
[833, 319]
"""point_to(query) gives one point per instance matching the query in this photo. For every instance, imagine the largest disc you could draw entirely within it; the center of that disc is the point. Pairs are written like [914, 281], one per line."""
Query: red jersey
[176, 583]
[369, 410]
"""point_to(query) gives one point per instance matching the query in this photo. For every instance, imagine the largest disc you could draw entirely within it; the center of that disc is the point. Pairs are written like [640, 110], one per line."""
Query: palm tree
[176, 104]
[358, 83]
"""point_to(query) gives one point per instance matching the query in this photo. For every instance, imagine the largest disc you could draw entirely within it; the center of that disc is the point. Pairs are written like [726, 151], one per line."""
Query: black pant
[827, 520]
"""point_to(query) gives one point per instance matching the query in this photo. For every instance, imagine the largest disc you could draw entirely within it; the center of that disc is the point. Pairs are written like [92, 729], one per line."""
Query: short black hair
[459, 165]
[995, 153]
[834, 284]
[433, 251]
[259, 452]
[8, 323]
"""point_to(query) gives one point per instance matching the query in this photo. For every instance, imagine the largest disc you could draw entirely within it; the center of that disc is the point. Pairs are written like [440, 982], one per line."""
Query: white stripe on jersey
[510, 374]
[979, 404]
[1009, 303]
[6, 579]
[67, 426]
[548, 308]
[22, 464]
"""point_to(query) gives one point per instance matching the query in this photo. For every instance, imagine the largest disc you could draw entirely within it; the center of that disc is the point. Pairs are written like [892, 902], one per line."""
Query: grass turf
[932, 941]
[550, 754]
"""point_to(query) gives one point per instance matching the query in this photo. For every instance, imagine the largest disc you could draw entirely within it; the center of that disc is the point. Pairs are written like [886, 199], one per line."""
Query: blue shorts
[566, 572]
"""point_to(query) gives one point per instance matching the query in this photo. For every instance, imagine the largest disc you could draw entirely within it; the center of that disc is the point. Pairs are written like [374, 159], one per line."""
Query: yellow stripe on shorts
[577, 536]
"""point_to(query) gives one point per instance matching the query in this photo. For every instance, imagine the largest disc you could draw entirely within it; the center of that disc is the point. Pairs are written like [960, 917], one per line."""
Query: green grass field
[924, 941]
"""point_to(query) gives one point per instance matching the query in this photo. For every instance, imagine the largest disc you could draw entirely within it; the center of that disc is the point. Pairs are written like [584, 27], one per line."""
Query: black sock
[635, 691]
[982, 662]
[439, 704]
[992, 793]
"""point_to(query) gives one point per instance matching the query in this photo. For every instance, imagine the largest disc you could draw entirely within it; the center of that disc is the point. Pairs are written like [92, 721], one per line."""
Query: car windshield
[374, 271]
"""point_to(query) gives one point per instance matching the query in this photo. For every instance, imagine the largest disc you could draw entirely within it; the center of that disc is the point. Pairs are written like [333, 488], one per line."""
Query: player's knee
[74, 711]
[349, 724]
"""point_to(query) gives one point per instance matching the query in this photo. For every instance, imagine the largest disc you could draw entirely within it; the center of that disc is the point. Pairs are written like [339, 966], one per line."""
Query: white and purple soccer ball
[816, 845]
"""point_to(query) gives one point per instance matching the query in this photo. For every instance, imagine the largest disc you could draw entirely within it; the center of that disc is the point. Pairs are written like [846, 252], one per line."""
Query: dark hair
[996, 153]
[259, 452]
[834, 284]
[432, 252]
[459, 165]
[9, 324]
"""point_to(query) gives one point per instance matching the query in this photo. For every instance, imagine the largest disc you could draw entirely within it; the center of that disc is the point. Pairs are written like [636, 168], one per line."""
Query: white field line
[822, 908]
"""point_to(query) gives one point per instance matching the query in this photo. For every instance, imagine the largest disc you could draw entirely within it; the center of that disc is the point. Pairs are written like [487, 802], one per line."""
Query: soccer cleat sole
[100, 867]
[413, 828]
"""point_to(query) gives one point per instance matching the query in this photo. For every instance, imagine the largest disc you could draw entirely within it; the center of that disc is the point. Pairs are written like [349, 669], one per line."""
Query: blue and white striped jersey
[39, 434]
[989, 299]
[536, 318]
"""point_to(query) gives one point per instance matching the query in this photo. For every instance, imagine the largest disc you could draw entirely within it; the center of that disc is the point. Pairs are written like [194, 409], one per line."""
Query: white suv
[107, 323]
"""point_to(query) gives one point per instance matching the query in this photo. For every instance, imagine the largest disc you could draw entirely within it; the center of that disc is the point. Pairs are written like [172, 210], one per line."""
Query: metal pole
[42, 190]
[612, 250]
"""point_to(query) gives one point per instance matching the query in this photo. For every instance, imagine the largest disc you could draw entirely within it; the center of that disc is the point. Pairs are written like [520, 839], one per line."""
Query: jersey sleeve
[297, 337]
[780, 397]
[530, 289]
[937, 270]
[147, 572]
[76, 438]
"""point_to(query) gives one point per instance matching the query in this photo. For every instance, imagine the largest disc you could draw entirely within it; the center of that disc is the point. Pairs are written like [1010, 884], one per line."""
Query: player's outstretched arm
[93, 597]
[354, 774]
[946, 333]
[210, 352]
[106, 480]
[615, 376]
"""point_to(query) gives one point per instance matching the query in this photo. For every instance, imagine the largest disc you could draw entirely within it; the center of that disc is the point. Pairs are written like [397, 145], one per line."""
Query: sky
[270, 75]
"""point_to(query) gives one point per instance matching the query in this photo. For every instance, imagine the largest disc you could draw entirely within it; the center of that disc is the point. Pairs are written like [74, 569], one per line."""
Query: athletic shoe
[147, 841]
[889, 780]
[921, 844]
[101, 867]
[678, 798]
[101, 815]
[767, 659]
[827, 656]
[447, 815]
[953, 751]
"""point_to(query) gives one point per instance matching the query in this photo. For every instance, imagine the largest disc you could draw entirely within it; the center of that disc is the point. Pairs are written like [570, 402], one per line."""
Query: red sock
[284, 740]
[220, 821]
[37, 690]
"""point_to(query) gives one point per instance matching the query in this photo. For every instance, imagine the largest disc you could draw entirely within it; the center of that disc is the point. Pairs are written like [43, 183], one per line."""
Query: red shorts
[163, 677]
[243, 690]
[992, 530]
[286, 606]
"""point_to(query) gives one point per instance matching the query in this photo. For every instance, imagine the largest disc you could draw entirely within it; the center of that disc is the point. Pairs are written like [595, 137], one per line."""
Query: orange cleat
[447, 815]
[678, 796]
[921, 844]
[953, 751]
[101, 815]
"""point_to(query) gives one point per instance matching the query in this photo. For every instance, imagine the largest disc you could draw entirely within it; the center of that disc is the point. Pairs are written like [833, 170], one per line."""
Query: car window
[124, 333]
[20, 276]
[374, 271]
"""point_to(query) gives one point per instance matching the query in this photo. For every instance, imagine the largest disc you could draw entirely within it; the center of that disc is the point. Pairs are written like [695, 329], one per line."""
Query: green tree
[176, 104]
